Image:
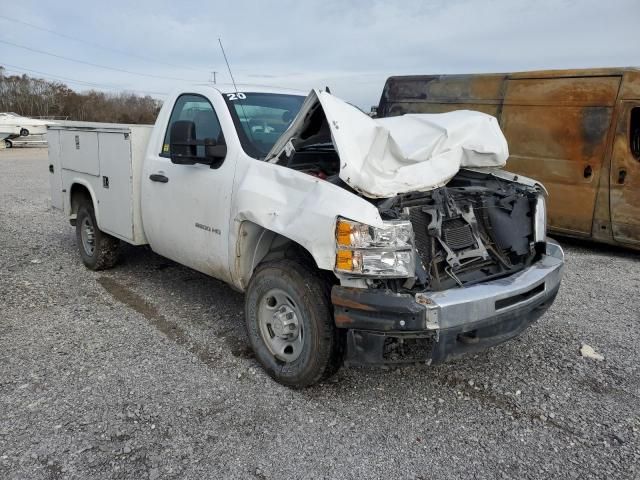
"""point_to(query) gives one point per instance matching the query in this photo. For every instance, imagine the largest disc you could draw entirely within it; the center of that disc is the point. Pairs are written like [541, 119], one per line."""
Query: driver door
[186, 207]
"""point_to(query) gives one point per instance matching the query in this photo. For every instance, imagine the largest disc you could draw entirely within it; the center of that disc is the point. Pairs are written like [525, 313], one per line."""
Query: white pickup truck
[356, 240]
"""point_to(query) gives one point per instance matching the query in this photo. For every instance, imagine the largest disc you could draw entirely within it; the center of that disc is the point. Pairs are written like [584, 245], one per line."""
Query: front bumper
[385, 327]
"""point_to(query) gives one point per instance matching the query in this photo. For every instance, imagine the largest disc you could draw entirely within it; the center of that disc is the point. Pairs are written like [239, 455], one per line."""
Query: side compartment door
[625, 175]
[186, 208]
[79, 151]
[115, 191]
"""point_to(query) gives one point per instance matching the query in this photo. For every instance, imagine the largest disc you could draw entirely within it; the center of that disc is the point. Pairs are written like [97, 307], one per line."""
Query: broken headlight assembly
[385, 251]
[540, 219]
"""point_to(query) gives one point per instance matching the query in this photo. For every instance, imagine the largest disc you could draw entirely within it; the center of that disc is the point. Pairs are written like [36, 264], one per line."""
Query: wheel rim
[281, 325]
[88, 235]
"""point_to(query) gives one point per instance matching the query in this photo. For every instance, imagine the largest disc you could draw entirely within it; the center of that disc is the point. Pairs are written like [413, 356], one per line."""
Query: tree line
[36, 97]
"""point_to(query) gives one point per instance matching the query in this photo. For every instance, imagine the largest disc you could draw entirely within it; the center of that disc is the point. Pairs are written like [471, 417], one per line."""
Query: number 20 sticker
[236, 96]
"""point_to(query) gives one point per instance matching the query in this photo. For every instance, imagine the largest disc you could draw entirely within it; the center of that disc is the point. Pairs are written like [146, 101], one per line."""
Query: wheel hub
[88, 235]
[280, 325]
[285, 323]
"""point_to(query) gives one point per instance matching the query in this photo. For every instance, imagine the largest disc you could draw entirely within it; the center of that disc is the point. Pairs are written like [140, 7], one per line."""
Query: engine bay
[475, 228]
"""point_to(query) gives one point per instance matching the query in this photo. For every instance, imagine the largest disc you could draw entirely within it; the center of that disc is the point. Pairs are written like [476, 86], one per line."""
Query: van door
[625, 175]
[186, 208]
[557, 132]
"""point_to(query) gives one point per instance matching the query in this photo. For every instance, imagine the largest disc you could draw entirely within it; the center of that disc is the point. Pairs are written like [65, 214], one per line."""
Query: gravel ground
[144, 372]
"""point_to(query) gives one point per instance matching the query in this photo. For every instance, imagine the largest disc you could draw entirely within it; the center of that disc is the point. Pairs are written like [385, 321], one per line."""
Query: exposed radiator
[457, 234]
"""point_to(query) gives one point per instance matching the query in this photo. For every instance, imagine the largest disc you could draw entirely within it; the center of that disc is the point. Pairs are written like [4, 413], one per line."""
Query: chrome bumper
[482, 302]
[451, 323]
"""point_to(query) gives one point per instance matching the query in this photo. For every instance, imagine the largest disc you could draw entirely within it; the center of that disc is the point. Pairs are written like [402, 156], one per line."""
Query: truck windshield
[261, 118]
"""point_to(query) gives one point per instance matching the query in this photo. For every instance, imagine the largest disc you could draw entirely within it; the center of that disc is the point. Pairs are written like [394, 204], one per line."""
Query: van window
[634, 132]
[197, 109]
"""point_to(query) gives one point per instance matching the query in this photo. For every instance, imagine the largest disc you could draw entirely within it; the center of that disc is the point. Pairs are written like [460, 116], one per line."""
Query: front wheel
[97, 249]
[8, 143]
[290, 323]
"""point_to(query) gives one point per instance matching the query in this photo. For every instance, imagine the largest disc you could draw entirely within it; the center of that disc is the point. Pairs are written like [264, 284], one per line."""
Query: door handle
[158, 177]
[622, 175]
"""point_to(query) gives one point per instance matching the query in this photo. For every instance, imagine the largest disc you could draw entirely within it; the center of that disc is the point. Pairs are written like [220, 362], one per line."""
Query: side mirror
[182, 140]
[214, 151]
[187, 150]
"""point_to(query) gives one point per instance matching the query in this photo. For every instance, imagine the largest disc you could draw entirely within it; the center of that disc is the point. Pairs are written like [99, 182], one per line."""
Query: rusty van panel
[573, 73]
[587, 91]
[630, 89]
[557, 129]
[400, 93]
[562, 147]
[400, 108]
[625, 176]
[452, 88]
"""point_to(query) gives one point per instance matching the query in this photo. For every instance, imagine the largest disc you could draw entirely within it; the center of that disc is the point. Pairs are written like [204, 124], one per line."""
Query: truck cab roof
[224, 88]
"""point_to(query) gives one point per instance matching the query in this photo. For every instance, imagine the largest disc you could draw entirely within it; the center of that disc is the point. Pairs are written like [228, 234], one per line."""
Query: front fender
[297, 206]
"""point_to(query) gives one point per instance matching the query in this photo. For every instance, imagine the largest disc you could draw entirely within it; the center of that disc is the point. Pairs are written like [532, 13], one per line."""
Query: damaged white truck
[356, 240]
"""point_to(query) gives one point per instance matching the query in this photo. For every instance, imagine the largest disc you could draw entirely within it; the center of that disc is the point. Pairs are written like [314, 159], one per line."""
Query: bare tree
[35, 97]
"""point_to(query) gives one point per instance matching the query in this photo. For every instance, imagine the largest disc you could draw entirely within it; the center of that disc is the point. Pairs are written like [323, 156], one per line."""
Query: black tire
[24, 132]
[8, 143]
[105, 248]
[321, 352]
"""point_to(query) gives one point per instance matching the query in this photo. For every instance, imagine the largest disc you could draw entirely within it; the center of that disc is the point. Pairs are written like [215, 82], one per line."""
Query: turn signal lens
[343, 233]
[344, 260]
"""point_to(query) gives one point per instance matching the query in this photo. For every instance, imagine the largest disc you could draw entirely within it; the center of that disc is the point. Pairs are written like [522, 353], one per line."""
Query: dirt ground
[143, 371]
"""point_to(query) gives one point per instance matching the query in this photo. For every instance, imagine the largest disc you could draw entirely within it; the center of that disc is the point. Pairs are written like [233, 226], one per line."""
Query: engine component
[476, 228]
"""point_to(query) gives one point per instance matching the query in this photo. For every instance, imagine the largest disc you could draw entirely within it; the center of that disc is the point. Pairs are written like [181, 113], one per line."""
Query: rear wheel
[98, 250]
[8, 143]
[290, 323]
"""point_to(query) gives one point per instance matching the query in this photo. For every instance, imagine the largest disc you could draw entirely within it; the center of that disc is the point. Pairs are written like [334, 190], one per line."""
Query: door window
[197, 109]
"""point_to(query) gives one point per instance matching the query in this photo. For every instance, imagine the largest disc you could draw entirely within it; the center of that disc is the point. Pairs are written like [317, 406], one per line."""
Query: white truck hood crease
[383, 157]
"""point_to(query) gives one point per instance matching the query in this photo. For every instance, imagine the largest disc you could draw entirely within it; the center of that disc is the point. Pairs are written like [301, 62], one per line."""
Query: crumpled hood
[383, 157]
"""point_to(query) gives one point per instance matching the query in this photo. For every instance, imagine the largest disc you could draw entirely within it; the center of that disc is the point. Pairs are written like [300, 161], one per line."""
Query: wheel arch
[256, 244]
[81, 189]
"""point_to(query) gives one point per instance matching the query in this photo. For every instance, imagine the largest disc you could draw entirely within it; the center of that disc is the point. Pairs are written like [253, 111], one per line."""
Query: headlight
[385, 251]
[540, 220]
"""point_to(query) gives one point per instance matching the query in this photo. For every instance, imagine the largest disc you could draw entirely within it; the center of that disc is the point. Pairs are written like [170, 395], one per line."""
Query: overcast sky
[350, 45]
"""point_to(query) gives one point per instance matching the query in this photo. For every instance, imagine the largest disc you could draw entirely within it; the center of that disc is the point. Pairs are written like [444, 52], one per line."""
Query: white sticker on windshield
[236, 96]
[289, 148]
